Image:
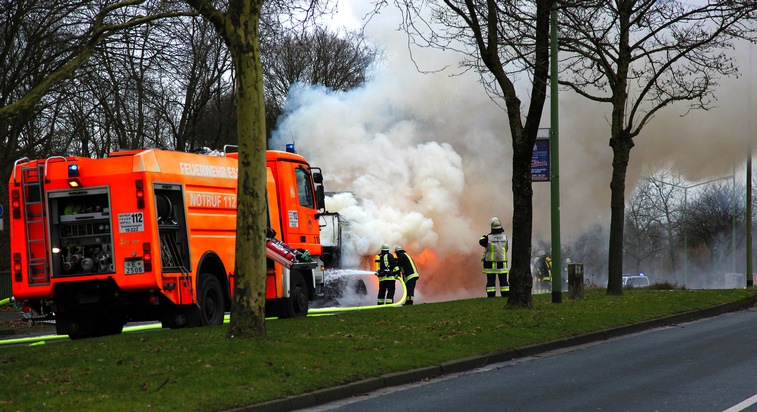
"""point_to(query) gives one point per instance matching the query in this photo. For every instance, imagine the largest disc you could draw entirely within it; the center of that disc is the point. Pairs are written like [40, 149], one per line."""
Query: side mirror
[320, 197]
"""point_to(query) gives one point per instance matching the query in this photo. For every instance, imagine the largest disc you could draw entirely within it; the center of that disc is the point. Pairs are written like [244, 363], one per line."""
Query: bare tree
[43, 43]
[129, 87]
[501, 40]
[147, 86]
[85, 25]
[338, 61]
[216, 123]
[197, 78]
[30, 49]
[81, 121]
[712, 222]
[645, 229]
[663, 193]
[640, 56]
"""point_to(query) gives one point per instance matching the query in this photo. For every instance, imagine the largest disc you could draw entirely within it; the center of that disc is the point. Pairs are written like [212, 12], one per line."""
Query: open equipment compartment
[81, 237]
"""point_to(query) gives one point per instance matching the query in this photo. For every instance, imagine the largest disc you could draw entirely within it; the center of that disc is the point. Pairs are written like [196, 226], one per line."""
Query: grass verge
[200, 369]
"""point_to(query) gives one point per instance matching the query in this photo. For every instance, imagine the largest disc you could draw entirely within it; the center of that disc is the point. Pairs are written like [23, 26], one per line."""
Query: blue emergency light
[73, 170]
[290, 148]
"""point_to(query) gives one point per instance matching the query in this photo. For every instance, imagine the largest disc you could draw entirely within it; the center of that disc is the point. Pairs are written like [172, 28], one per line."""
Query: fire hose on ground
[40, 340]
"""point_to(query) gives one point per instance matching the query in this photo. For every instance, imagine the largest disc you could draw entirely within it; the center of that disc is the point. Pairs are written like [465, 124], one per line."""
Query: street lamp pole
[749, 174]
[685, 232]
[554, 150]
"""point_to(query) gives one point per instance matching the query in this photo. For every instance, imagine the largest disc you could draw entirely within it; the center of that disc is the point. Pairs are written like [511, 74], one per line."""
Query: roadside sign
[540, 161]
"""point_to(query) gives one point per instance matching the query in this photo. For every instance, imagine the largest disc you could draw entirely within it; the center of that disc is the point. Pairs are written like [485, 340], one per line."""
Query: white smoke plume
[401, 181]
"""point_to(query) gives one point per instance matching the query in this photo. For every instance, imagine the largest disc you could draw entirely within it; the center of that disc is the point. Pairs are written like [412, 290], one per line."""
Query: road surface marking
[742, 405]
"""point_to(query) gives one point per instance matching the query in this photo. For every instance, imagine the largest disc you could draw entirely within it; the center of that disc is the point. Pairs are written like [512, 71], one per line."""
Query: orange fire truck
[150, 235]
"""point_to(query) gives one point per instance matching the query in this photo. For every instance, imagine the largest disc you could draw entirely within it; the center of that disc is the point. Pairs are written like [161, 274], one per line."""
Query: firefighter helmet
[398, 248]
[384, 247]
[496, 224]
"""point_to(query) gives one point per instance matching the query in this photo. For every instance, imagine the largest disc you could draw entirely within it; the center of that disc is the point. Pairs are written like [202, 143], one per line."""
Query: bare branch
[99, 31]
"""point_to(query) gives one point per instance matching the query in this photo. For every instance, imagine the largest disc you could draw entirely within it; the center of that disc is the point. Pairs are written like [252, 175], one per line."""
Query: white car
[635, 281]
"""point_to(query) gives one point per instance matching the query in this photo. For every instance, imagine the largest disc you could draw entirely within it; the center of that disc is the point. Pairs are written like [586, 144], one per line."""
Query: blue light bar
[73, 170]
[290, 148]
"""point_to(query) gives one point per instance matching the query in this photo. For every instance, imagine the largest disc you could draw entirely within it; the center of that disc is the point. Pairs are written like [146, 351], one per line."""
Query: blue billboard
[540, 161]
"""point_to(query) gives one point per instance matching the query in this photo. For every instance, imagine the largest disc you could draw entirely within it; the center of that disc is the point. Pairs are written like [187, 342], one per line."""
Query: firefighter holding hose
[409, 273]
[495, 259]
[387, 271]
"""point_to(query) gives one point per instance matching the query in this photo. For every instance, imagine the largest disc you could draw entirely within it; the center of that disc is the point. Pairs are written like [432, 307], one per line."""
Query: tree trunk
[248, 303]
[521, 280]
[621, 144]
[524, 137]
[239, 28]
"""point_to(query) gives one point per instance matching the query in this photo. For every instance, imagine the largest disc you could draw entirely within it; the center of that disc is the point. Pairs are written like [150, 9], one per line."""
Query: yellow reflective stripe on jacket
[414, 270]
[411, 277]
[496, 248]
[387, 273]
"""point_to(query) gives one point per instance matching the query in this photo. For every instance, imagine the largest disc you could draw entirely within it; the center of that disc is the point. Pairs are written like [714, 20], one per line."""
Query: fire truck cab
[150, 235]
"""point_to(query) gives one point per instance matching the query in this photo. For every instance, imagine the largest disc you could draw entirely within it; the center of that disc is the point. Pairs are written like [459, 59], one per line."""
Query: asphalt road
[706, 365]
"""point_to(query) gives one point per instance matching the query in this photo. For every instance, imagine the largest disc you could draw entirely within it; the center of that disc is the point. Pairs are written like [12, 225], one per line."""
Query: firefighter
[544, 268]
[409, 273]
[387, 271]
[495, 259]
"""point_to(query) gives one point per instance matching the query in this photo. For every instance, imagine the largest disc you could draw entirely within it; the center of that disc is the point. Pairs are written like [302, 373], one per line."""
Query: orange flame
[449, 277]
[426, 257]
[442, 278]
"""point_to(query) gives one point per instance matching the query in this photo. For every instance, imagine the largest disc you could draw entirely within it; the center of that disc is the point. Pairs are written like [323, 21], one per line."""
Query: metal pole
[685, 208]
[685, 239]
[685, 232]
[749, 176]
[749, 212]
[733, 224]
[554, 150]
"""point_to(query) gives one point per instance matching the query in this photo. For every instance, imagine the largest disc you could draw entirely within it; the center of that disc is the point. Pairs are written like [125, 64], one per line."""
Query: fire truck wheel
[108, 326]
[297, 303]
[210, 300]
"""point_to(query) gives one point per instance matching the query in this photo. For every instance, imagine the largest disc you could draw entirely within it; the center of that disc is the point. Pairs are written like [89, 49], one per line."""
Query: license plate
[134, 266]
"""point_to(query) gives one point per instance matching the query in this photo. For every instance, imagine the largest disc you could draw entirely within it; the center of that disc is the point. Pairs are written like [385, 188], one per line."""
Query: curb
[365, 386]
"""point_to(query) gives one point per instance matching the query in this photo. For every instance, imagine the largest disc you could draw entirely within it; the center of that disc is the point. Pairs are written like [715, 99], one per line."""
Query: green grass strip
[201, 369]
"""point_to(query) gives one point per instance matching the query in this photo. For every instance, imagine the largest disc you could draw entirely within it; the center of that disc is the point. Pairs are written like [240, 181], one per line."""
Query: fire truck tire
[80, 326]
[108, 326]
[210, 300]
[75, 327]
[297, 302]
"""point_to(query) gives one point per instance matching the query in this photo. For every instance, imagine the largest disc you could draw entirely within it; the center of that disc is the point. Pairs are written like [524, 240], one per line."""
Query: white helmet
[398, 248]
[385, 246]
[495, 223]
